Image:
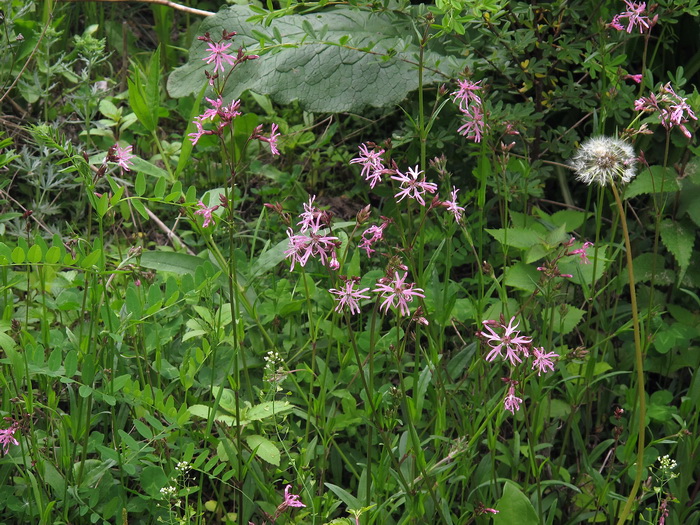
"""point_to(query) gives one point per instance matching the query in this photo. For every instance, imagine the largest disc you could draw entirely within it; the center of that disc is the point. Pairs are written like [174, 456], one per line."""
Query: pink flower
[511, 402]
[466, 94]
[122, 156]
[634, 78]
[582, 252]
[7, 437]
[372, 235]
[218, 56]
[453, 207]
[396, 293]
[311, 217]
[673, 109]
[206, 213]
[195, 136]
[348, 296]
[291, 500]
[473, 125]
[412, 187]
[302, 248]
[634, 18]
[472, 109]
[511, 340]
[543, 360]
[225, 113]
[481, 509]
[371, 162]
[271, 140]
[210, 113]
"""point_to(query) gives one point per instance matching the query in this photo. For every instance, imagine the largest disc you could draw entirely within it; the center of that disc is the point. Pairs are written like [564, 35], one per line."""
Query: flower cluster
[412, 184]
[633, 17]
[666, 467]
[370, 159]
[506, 342]
[551, 268]
[472, 109]
[311, 242]
[393, 290]
[604, 160]
[673, 110]
[226, 114]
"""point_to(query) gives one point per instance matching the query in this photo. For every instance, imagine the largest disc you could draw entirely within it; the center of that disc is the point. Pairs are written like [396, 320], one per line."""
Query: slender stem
[639, 363]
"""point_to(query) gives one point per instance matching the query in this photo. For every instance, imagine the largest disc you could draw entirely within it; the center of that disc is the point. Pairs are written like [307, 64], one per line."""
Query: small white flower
[183, 466]
[605, 160]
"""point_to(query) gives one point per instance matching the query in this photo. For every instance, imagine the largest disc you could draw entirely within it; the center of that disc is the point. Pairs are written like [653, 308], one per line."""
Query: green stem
[639, 363]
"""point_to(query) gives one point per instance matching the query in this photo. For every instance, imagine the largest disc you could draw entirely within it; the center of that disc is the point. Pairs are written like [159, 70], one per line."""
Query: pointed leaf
[679, 240]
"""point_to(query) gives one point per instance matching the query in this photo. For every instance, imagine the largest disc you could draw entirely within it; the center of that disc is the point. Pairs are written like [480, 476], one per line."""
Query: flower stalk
[639, 362]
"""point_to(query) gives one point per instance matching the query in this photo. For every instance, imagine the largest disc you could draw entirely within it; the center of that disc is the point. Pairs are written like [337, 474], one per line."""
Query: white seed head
[605, 160]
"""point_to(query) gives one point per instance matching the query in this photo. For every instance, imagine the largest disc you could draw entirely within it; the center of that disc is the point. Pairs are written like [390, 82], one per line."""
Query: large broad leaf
[514, 507]
[340, 59]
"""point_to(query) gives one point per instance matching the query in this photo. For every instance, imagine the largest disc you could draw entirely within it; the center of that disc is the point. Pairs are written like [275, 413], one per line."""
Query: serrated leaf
[679, 240]
[565, 318]
[653, 180]
[264, 449]
[312, 67]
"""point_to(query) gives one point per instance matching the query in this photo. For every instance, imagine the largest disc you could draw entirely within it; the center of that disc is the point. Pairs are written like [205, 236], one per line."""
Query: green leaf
[34, 254]
[143, 166]
[268, 409]
[269, 259]
[522, 276]
[653, 180]
[140, 184]
[350, 501]
[140, 208]
[138, 103]
[312, 67]
[264, 449]
[521, 238]
[152, 480]
[53, 255]
[514, 507]
[18, 255]
[679, 240]
[565, 318]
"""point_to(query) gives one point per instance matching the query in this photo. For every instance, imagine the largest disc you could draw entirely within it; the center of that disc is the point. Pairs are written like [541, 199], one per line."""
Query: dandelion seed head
[605, 160]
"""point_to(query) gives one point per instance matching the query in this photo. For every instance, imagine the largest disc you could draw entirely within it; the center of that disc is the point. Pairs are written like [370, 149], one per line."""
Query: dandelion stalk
[639, 363]
[612, 161]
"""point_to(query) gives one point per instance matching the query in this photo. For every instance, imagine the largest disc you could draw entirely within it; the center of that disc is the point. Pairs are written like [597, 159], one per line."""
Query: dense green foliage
[177, 342]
